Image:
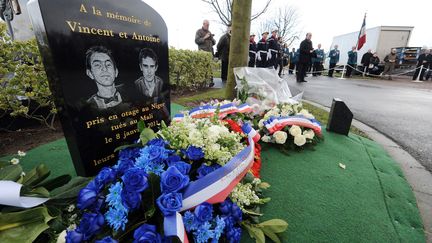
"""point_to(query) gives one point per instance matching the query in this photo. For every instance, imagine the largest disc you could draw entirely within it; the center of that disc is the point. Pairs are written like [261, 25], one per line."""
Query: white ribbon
[10, 195]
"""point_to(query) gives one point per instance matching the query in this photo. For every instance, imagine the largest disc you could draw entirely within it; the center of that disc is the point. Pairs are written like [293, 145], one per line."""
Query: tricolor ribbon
[274, 124]
[209, 111]
[213, 187]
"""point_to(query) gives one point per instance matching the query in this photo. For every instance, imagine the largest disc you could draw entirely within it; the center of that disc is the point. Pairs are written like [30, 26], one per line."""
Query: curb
[417, 176]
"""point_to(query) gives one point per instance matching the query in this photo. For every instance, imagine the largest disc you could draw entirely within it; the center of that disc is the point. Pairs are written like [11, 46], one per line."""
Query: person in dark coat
[352, 61]
[273, 50]
[334, 59]
[223, 51]
[429, 64]
[373, 64]
[305, 57]
[317, 61]
[262, 49]
[252, 51]
[365, 60]
[421, 60]
[293, 59]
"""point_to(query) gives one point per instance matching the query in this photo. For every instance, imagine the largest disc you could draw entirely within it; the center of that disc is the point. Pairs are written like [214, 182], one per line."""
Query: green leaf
[146, 135]
[141, 126]
[272, 235]
[34, 192]
[36, 175]
[255, 233]
[134, 145]
[275, 225]
[252, 213]
[55, 182]
[71, 189]
[24, 226]
[264, 185]
[11, 172]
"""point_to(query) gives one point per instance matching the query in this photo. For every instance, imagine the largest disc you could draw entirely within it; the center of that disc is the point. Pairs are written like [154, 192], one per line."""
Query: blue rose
[131, 199]
[226, 206]
[173, 180]
[234, 234]
[203, 170]
[183, 167]
[74, 237]
[135, 179]
[229, 222]
[91, 223]
[172, 158]
[155, 153]
[157, 142]
[123, 166]
[204, 212]
[236, 212]
[146, 233]
[129, 153]
[194, 153]
[170, 203]
[106, 240]
[105, 176]
[87, 196]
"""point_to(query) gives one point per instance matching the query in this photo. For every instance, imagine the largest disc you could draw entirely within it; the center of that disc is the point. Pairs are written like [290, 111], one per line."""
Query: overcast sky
[324, 19]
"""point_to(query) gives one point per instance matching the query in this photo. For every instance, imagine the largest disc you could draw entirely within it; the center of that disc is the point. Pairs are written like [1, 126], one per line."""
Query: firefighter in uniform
[273, 49]
[252, 51]
[262, 49]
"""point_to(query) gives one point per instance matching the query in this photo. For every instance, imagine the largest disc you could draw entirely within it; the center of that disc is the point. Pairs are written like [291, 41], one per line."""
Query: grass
[194, 100]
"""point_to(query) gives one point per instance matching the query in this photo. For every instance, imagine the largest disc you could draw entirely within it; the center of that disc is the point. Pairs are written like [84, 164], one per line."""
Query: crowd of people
[271, 52]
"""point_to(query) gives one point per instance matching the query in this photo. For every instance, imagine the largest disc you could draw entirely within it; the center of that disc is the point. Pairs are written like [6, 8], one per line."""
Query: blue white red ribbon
[209, 111]
[274, 124]
[213, 187]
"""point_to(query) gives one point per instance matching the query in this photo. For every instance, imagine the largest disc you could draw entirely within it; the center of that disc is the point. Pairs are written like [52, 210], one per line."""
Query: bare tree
[224, 8]
[286, 23]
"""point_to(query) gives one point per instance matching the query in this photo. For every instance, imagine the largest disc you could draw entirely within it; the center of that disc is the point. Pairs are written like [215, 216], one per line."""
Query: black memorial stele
[107, 65]
[340, 117]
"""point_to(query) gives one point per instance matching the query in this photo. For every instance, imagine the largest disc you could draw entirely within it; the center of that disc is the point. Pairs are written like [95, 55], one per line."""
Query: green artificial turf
[369, 201]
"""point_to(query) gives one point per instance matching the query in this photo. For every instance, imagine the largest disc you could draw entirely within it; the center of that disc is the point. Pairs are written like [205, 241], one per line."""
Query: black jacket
[223, 47]
[366, 58]
[305, 54]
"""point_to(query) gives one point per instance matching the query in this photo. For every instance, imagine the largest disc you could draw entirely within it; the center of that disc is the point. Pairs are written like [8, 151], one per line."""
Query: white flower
[72, 227]
[21, 153]
[14, 161]
[73, 217]
[23, 174]
[261, 123]
[280, 137]
[299, 140]
[309, 134]
[62, 237]
[295, 131]
[266, 139]
[71, 208]
[306, 114]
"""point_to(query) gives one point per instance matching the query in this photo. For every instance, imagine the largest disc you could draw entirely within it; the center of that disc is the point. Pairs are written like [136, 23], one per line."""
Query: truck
[380, 39]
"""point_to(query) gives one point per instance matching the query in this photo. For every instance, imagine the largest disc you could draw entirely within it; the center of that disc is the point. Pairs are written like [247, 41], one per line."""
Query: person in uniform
[262, 49]
[252, 51]
[305, 57]
[273, 50]
[102, 69]
[334, 59]
[149, 85]
[318, 61]
[293, 59]
[352, 61]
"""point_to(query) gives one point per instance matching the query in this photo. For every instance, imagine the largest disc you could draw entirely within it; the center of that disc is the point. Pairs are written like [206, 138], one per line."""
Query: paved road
[402, 110]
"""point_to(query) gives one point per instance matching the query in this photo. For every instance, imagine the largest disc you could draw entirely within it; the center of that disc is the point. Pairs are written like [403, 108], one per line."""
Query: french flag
[362, 35]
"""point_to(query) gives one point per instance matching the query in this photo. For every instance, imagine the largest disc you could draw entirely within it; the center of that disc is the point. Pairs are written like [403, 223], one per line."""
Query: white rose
[266, 139]
[309, 134]
[299, 140]
[295, 131]
[261, 123]
[21, 153]
[280, 137]
[62, 237]
[306, 114]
